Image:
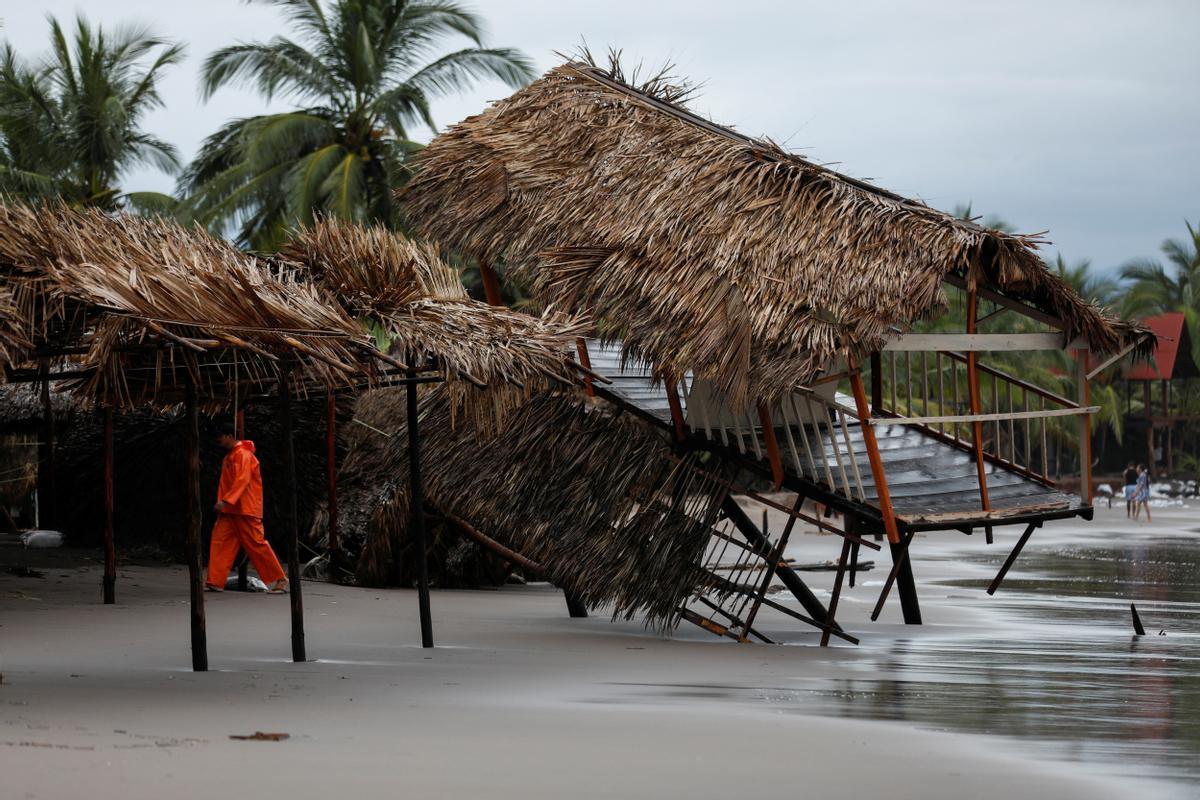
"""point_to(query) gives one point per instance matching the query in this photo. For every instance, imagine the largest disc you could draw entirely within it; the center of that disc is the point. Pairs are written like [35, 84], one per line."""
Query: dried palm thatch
[111, 287]
[703, 249]
[597, 498]
[418, 303]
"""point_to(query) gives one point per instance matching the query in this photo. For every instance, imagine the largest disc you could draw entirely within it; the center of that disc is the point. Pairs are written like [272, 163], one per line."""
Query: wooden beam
[1085, 428]
[972, 342]
[586, 362]
[975, 403]
[47, 495]
[335, 554]
[1000, 416]
[768, 427]
[417, 507]
[491, 283]
[1008, 302]
[293, 533]
[877, 471]
[110, 547]
[194, 540]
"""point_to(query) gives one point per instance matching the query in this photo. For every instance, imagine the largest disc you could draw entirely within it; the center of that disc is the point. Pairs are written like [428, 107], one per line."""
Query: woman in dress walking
[1141, 497]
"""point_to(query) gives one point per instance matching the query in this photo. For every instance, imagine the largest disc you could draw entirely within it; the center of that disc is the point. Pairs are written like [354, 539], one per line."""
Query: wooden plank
[1054, 412]
[976, 342]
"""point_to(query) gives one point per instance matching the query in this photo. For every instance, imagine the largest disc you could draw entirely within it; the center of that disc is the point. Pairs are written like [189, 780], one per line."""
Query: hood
[244, 444]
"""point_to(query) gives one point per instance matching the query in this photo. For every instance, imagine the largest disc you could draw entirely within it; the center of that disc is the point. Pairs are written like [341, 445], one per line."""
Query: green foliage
[70, 123]
[361, 73]
[1153, 288]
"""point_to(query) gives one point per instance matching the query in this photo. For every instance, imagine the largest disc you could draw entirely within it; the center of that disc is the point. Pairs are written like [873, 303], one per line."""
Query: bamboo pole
[195, 576]
[110, 545]
[293, 533]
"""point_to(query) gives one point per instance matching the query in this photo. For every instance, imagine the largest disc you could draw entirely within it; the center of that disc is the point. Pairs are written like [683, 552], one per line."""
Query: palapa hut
[127, 312]
[735, 287]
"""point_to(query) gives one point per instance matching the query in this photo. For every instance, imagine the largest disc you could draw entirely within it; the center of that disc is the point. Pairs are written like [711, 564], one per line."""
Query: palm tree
[1155, 289]
[361, 73]
[70, 124]
[1103, 290]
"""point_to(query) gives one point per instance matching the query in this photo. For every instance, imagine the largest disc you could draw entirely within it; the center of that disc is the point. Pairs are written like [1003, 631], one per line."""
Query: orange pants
[231, 532]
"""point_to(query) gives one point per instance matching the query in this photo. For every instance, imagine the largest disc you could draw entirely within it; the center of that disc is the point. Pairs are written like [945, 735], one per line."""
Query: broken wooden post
[1137, 621]
[110, 546]
[194, 540]
[335, 559]
[774, 559]
[291, 513]
[417, 502]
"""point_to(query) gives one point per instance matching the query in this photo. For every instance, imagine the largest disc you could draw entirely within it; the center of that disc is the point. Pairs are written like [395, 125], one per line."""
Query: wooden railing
[931, 390]
[805, 431]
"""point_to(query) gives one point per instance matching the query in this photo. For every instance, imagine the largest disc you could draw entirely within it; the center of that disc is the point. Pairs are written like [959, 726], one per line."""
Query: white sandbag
[253, 584]
[42, 539]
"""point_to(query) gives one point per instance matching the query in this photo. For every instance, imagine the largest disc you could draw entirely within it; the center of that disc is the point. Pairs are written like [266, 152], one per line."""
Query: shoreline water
[517, 700]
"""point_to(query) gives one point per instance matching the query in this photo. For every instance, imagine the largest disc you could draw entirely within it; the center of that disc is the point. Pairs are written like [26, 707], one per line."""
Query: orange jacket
[241, 482]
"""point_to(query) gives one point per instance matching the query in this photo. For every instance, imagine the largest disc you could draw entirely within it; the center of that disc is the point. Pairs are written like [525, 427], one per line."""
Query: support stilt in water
[417, 503]
[1012, 557]
[194, 540]
[901, 571]
[787, 576]
[837, 587]
[293, 534]
[110, 545]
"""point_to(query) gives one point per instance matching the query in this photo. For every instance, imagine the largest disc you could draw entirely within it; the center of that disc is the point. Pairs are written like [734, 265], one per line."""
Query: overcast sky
[1080, 118]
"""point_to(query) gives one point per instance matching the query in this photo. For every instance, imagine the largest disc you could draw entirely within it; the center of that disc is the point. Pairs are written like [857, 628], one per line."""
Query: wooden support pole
[774, 559]
[837, 588]
[194, 540]
[585, 361]
[417, 503]
[47, 495]
[901, 572]
[291, 513]
[110, 545]
[575, 606]
[975, 403]
[1085, 428]
[491, 283]
[884, 497]
[768, 429]
[787, 575]
[335, 553]
[672, 387]
[1012, 557]
[876, 383]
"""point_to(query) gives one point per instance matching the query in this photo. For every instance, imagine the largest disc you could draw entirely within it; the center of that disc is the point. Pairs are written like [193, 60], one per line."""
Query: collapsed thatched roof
[419, 304]
[596, 498]
[703, 249]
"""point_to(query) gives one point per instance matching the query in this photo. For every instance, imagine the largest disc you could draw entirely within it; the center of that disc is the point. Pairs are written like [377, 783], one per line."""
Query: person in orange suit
[239, 519]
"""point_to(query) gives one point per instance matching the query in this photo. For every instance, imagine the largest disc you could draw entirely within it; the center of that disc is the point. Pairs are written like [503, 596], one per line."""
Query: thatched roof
[419, 304]
[135, 305]
[703, 249]
[110, 289]
[596, 497]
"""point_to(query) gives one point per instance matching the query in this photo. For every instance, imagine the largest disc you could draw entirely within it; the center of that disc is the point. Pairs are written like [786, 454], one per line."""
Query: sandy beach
[517, 700]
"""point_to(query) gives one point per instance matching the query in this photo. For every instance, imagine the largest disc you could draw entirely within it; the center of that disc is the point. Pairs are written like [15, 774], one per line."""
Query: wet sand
[517, 700]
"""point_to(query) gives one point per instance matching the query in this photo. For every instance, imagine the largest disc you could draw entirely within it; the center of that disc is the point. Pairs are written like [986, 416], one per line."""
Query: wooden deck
[932, 482]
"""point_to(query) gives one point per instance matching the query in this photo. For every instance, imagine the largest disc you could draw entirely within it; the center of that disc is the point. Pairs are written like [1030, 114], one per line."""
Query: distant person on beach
[1130, 483]
[1141, 496]
[239, 519]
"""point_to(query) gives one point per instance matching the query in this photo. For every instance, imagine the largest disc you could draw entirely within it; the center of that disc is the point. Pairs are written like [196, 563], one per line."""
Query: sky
[1077, 118]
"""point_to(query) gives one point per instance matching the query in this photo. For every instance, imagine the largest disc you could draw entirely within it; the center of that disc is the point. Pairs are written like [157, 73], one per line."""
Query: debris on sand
[261, 736]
